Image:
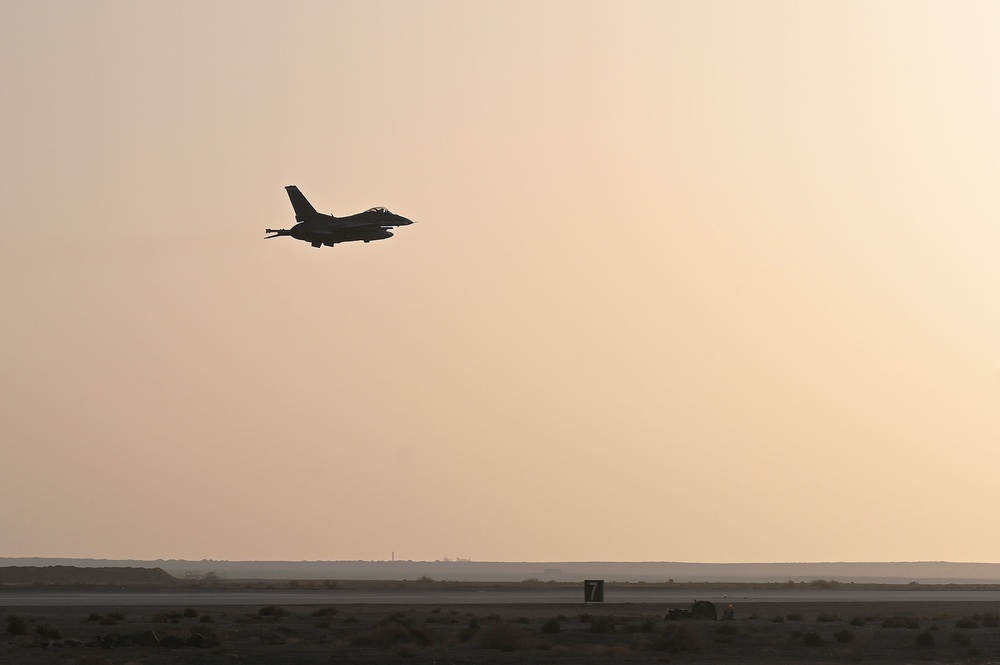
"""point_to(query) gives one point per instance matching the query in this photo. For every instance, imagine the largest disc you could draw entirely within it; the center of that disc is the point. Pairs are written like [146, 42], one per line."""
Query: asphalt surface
[42, 598]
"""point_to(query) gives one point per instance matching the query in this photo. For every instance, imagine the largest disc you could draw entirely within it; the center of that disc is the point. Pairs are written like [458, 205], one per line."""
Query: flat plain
[760, 632]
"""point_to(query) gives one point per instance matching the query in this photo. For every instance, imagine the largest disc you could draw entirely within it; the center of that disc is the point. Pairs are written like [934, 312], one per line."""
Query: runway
[42, 598]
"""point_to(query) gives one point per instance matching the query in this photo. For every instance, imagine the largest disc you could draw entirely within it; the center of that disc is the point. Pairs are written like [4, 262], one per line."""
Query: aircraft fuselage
[319, 229]
[331, 235]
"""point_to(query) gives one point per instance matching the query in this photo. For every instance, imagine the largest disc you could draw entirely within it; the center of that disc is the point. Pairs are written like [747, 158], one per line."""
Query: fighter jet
[319, 229]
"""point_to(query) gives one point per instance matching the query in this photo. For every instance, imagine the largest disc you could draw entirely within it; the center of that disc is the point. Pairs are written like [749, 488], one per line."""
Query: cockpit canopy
[378, 209]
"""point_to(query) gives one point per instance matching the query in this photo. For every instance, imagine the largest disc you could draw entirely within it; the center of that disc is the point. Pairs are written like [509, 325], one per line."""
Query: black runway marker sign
[593, 591]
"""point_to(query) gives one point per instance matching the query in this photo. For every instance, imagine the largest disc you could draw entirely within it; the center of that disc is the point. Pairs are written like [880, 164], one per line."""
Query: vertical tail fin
[303, 209]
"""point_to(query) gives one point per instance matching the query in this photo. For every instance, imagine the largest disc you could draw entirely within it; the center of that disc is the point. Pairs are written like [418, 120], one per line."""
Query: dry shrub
[441, 618]
[901, 622]
[503, 636]
[391, 633]
[678, 638]
[845, 636]
[48, 632]
[16, 625]
[162, 617]
[602, 625]
[551, 626]
[469, 630]
[272, 612]
[113, 618]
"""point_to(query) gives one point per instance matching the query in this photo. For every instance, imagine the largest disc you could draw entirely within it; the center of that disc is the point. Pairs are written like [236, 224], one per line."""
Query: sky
[688, 281]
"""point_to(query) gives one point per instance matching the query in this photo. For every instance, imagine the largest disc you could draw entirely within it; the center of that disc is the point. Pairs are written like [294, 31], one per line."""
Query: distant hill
[928, 572]
[84, 576]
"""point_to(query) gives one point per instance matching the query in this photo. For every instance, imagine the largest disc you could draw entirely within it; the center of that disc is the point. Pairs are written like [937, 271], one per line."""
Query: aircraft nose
[403, 221]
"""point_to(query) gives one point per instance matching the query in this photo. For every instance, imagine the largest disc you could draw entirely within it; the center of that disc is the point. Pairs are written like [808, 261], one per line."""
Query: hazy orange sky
[690, 281]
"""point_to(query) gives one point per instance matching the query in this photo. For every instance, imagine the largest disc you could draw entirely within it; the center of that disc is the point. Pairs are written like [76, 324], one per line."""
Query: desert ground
[903, 632]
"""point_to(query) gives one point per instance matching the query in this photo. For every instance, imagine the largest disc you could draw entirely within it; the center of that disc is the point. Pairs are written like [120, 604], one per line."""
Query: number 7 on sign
[593, 591]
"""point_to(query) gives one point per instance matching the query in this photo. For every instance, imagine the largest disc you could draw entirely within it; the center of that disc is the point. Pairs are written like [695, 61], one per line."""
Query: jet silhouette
[319, 229]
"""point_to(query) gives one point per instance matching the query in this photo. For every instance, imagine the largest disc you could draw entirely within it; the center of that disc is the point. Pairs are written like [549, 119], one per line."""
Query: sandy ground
[941, 632]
